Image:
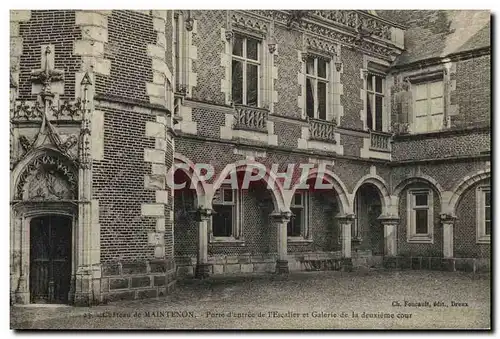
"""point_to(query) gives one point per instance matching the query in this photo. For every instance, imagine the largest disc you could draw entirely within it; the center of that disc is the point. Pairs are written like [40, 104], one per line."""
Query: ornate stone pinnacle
[86, 80]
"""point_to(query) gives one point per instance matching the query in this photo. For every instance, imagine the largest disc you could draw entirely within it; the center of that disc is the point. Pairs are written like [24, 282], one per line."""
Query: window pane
[487, 211]
[378, 84]
[238, 45]
[310, 66]
[252, 49]
[222, 221]
[487, 229]
[487, 198]
[297, 199]
[295, 223]
[378, 113]
[322, 64]
[437, 105]
[421, 199]
[421, 108]
[237, 82]
[322, 100]
[309, 98]
[421, 92]
[369, 82]
[436, 89]
[252, 84]
[228, 195]
[369, 110]
[421, 221]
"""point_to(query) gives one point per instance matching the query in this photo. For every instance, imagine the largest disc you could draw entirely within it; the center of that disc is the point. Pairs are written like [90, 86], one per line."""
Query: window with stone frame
[317, 86]
[225, 220]
[428, 106]
[298, 224]
[375, 101]
[420, 216]
[483, 211]
[245, 68]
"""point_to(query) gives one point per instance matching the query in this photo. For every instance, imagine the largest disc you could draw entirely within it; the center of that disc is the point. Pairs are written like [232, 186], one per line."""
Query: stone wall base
[475, 265]
[268, 263]
[137, 280]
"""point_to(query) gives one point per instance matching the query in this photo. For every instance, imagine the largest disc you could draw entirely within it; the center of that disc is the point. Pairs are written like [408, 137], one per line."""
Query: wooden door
[50, 259]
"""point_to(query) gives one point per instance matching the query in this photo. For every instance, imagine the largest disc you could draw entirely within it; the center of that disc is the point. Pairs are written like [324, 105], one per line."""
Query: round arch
[248, 166]
[464, 185]
[188, 168]
[381, 186]
[331, 178]
[423, 178]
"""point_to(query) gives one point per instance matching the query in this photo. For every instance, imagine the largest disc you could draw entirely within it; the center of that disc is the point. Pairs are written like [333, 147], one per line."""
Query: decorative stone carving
[85, 159]
[189, 24]
[250, 118]
[28, 111]
[248, 23]
[26, 144]
[322, 130]
[296, 16]
[47, 177]
[69, 109]
[68, 143]
[350, 37]
[315, 44]
[46, 76]
[380, 141]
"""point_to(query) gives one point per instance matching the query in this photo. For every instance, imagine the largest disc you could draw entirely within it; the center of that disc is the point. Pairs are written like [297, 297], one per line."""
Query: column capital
[345, 218]
[388, 219]
[203, 214]
[281, 216]
[447, 218]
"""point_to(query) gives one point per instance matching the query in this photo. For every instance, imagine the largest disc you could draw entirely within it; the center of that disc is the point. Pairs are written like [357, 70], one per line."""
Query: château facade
[389, 109]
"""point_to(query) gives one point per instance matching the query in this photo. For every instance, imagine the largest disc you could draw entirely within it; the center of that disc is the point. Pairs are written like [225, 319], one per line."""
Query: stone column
[280, 220]
[202, 270]
[345, 224]
[390, 225]
[448, 222]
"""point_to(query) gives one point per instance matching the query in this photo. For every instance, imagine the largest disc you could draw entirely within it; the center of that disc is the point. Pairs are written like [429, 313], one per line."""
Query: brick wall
[209, 121]
[129, 33]
[49, 28]
[472, 94]
[287, 86]
[118, 184]
[208, 65]
[352, 145]
[351, 79]
[288, 133]
[441, 146]
[464, 230]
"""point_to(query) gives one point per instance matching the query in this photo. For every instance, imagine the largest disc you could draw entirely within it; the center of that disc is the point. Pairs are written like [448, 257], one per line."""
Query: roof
[439, 33]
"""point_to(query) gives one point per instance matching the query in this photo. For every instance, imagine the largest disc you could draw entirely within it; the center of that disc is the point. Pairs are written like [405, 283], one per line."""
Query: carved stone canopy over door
[47, 178]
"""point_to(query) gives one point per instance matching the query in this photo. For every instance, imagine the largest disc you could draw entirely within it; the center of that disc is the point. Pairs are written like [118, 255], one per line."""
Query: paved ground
[304, 300]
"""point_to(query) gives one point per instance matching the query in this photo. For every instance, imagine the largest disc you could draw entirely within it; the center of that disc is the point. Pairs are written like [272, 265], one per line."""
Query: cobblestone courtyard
[305, 300]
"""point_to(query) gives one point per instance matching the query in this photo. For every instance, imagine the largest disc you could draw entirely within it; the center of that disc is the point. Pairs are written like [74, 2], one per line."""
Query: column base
[390, 262]
[449, 264]
[202, 271]
[282, 267]
[346, 264]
